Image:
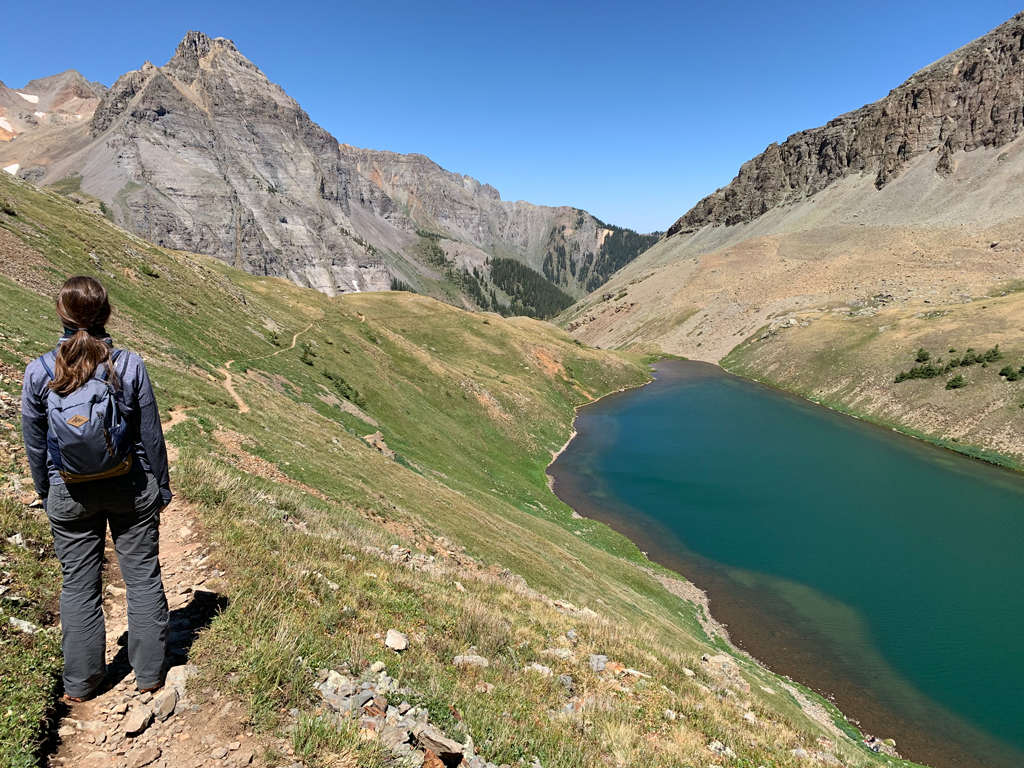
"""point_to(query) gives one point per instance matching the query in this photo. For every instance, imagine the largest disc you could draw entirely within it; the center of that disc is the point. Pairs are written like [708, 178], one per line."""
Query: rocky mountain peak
[194, 47]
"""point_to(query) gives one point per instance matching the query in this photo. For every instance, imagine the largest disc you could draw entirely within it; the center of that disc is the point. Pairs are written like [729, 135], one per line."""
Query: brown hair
[84, 309]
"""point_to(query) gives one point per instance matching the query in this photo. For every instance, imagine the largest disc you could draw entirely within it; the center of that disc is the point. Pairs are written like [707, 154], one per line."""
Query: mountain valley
[205, 154]
[366, 365]
[383, 471]
[830, 255]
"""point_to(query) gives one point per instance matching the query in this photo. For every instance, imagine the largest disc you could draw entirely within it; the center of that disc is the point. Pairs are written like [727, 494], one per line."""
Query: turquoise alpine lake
[872, 567]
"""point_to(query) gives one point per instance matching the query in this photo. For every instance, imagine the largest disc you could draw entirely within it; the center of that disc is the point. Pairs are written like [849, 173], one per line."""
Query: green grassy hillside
[277, 386]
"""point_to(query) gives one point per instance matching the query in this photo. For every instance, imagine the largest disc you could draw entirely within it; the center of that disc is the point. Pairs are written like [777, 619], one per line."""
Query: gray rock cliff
[566, 244]
[972, 98]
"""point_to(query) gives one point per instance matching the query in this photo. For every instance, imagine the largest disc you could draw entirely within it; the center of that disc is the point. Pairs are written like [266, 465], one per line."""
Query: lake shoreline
[883, 720]
[815, 705]
[971, 452]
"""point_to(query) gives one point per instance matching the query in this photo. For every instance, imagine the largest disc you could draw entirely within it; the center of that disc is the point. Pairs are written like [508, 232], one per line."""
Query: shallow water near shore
[863, 563]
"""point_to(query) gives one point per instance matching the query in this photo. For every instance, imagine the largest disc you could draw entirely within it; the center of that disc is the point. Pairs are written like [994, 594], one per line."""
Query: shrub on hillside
[925, 371]
[957, 382]
[307, 352]
[1012, 374]
[993, 354]
[923, 355]
[345, 389]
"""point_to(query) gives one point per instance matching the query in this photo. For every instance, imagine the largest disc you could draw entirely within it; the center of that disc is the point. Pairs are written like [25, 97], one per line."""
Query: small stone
[689, 672]
[718, 748]
[178, 676]
[66, 730]
[598, 662]
[25, 626]
[165, 703]
[234, 746]
[219, 753]
[119, 709]
[138, 720]
[362, 699]
[377, 667]
[396, 641]
[137, 758]
[394, 736]
[243, 757]
[430, 738]
[540, 669]
[750, 717]
[471, 660]
[483, 687]
[146, 697]
[670, 714]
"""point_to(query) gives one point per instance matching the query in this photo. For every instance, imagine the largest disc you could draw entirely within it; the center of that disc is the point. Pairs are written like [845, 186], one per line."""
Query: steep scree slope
[971, 99]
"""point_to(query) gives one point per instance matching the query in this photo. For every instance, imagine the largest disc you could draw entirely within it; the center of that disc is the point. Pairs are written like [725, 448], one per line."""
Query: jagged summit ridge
[195, 47]
[972, 98]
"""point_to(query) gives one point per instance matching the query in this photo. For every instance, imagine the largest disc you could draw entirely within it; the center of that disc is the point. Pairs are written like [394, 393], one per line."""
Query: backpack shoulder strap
[48, 367]
[114, 357]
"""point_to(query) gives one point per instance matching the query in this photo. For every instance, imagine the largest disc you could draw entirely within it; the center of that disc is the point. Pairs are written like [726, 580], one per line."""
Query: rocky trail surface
[167, 728]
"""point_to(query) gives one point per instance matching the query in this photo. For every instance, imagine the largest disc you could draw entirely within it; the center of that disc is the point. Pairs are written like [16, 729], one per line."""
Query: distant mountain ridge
[919, 196]
[208, 155]
[48, 103]
[572, 248]
[971, 99]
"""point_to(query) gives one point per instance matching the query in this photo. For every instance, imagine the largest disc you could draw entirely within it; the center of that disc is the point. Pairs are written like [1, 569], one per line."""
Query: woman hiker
[97, 453]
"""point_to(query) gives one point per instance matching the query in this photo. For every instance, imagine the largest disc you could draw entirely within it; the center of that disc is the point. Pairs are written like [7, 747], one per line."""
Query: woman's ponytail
[84, 309]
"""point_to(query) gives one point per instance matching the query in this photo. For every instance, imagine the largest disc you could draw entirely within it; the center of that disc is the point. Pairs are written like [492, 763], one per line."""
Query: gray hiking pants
[79, 514]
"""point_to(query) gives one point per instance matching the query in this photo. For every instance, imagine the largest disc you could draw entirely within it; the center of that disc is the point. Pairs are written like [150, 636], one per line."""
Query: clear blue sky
[633, 111]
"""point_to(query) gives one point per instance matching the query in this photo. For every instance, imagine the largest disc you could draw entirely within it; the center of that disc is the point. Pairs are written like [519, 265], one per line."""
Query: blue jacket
[136, 399]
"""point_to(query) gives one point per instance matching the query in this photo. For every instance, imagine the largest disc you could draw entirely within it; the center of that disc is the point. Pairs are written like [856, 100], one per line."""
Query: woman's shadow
[184, 627]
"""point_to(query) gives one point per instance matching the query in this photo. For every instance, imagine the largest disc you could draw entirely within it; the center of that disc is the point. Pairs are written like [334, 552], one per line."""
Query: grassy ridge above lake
[849, 359]
[292, 499]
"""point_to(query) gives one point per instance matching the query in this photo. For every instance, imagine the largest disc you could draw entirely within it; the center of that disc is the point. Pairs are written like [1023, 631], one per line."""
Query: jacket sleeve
[33, 426]
[151, 433]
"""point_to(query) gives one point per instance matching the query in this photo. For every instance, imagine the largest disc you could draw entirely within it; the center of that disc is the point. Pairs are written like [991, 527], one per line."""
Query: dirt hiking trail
[176, 726]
